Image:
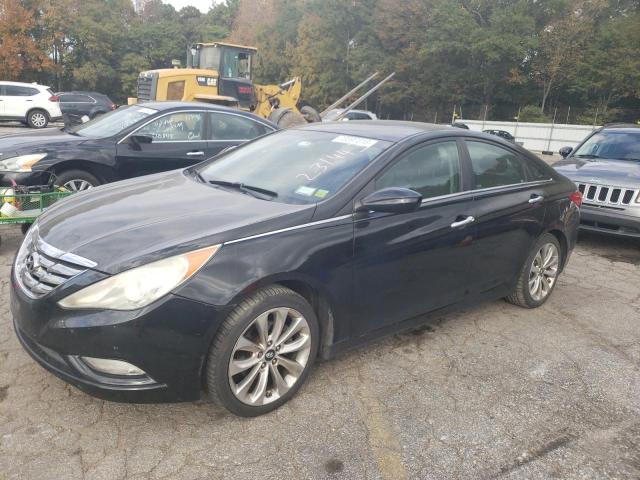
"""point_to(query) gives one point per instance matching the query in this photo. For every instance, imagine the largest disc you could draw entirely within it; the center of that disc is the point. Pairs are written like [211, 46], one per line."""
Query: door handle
[194, 154]
[535, 198]
[29, 100]
[462, 223]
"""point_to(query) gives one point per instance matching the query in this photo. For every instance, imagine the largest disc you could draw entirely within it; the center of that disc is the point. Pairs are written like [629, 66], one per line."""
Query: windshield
[298, 166]
[612, 145]
[112, 123]
[236, 63]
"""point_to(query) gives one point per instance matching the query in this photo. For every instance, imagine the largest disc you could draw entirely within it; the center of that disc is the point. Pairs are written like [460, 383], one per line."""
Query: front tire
[539, 274]
[76, 180]
[263, 352]
[37, 118]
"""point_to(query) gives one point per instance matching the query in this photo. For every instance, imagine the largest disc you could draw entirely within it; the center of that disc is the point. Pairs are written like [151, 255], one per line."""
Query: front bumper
[169, 340]
[37, 177]
[606, 220]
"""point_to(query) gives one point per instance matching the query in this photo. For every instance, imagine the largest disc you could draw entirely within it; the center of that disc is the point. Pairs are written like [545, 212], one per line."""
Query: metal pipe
[347, 95]
[363, 97]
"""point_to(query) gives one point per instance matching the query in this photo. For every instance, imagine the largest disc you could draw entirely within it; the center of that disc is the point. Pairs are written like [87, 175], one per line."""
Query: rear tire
[539, 275]
[251, 373]
[310, 114]
[76, 180]
[37, 118]
[286, 118]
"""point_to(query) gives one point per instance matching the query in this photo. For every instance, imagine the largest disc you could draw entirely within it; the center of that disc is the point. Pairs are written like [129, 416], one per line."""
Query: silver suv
[606, 169]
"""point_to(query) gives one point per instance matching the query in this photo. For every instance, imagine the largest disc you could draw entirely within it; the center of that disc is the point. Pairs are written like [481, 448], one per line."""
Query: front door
[509, 207]
[178, 140]
[412, 263]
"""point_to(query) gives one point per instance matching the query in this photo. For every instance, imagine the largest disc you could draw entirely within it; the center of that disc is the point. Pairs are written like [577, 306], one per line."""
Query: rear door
[19, 100]
[76, 104]
[2, 100]
[412, 263]
[178, 141]
[509, 207]
[229, 130]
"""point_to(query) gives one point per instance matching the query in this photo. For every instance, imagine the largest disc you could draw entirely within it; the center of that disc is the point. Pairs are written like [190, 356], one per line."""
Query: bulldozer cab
[233, 64]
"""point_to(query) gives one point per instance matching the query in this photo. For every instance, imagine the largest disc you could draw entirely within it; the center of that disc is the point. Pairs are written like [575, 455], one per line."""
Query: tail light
[113, 106]
[54, 98]
[576, 197]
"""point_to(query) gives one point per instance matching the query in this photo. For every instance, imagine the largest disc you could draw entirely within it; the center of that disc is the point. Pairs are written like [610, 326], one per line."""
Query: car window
[494, 166]
[358, 116]
[175, 127]
[15, 91]
[73, 98]
[432, 170]
[225, 126]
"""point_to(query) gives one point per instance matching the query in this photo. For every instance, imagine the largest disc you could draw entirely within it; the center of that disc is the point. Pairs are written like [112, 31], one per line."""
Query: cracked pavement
[494, 391]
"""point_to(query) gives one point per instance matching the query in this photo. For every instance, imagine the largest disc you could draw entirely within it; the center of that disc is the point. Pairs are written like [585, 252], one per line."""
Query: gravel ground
[490, 392]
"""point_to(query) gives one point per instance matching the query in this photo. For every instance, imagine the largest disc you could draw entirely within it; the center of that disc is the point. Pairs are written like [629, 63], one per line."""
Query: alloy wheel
[38, 119]
[77, 185]
[543, 272]
[270, 356]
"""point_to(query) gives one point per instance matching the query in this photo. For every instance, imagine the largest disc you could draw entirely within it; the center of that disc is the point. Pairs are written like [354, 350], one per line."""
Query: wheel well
[564, 245]
[38, 109]
[101, 172]
[320, 306]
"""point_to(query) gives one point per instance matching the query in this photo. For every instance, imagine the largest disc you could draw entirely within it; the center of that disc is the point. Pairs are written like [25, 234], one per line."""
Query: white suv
[30, 103]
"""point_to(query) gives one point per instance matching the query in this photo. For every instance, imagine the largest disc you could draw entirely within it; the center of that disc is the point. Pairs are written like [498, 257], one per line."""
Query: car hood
[130, 223]
[41, 140]
[621, 173]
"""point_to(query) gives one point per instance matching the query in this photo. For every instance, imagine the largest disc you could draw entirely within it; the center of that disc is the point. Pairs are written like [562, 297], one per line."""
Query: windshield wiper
[588, 155]
[263, 193]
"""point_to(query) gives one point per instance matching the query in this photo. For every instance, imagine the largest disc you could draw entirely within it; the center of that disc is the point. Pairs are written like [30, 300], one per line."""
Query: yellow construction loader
[221, 73]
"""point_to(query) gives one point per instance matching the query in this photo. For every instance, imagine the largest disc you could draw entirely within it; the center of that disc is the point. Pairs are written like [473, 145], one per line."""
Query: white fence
[538, 137]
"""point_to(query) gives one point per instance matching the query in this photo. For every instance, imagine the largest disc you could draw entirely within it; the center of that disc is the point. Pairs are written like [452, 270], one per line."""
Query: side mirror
[391, 200]
[565, 151]
[137, 140]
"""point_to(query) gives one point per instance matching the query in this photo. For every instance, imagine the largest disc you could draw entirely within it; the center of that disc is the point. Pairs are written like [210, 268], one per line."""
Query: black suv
[79, 104]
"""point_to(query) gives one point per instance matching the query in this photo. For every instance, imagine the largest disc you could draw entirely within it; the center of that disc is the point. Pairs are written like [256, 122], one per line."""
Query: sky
[202, 5]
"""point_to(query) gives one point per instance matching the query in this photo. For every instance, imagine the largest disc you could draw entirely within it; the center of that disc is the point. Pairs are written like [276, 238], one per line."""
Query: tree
[20, 56]
[562, 43]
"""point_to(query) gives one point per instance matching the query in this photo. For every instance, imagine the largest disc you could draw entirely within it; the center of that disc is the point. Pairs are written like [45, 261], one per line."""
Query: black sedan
[128, 142]
[237, 273]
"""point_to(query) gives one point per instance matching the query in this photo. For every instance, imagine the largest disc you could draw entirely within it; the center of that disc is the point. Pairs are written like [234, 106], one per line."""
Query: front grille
[40, 267]
[147, 83]
[606, 195]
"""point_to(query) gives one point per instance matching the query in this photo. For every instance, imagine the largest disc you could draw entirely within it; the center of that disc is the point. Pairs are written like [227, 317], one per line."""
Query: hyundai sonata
[234, 275]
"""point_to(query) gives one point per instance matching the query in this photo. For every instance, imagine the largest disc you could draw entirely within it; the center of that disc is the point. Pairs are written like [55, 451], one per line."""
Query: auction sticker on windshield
[357, 141]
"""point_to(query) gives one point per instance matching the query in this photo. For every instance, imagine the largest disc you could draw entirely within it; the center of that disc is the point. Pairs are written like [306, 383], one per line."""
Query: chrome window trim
[512, 186]
[289, 229]
[191, 111]
[54, 252]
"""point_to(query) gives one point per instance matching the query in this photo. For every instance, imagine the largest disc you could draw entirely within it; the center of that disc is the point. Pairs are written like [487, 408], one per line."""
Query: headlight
[140, 286]
[23, 163]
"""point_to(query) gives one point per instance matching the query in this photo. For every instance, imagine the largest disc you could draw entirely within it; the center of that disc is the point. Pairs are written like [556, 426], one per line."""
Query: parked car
[502, 134]
[32, 104]
[80, 104]
[351, 115]
[238, 272]
[606, 168]
[127, 142]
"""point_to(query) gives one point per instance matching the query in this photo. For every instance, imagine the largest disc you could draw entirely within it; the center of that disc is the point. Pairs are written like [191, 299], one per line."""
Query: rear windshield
[298, 166]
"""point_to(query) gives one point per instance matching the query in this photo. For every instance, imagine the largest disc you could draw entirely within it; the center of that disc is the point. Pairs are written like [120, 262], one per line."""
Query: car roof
[23, 84]
[80, 92]
[164, 106]
[621, 128]
[387, 130]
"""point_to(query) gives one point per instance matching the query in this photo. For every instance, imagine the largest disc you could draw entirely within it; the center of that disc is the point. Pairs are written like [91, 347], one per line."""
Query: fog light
[112, 367]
